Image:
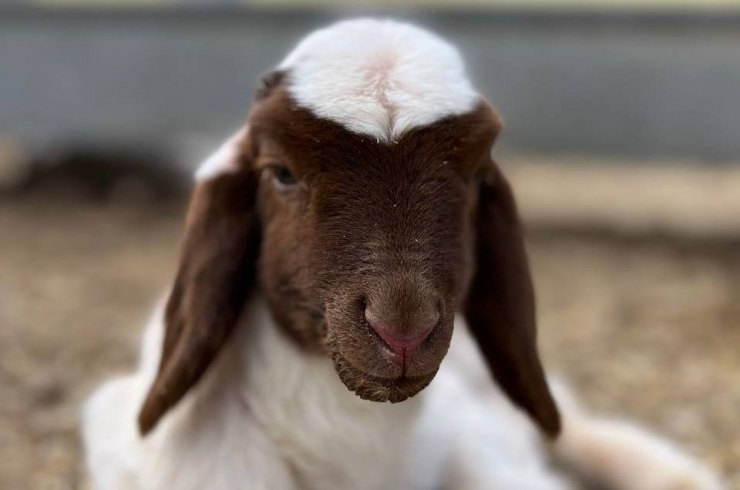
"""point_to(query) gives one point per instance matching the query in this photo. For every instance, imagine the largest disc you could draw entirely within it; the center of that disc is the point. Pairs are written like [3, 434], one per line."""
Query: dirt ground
[648, 329]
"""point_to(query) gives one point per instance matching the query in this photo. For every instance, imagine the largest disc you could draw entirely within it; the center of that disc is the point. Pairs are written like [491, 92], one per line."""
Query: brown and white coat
[332, 246]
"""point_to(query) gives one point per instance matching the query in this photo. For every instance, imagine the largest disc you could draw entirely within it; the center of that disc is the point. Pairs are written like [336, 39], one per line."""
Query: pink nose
[402, 342]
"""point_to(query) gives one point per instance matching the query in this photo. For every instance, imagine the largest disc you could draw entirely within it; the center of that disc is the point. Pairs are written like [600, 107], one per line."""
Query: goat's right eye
[283, 178]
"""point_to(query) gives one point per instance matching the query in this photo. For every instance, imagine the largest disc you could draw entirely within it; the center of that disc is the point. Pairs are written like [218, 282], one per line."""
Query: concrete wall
[644, 84]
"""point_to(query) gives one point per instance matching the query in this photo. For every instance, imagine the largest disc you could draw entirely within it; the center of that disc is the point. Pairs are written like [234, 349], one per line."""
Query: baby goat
[330, 245]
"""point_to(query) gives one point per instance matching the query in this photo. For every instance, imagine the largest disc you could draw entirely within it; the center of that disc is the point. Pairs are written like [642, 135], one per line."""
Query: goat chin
[270, 416]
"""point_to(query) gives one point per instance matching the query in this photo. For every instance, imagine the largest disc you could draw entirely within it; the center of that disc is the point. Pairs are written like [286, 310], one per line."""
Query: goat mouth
[377, 388]
[404, 358]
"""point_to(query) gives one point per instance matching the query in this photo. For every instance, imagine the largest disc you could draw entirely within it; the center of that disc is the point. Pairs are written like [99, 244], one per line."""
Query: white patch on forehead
[379, 78]
[224, 160]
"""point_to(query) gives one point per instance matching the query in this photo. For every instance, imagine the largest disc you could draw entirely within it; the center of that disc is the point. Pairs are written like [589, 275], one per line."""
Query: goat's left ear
[216, 274]
[500, 308]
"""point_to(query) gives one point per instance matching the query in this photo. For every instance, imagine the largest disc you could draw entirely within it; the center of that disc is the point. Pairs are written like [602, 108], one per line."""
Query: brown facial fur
[369, 222]
[393, 226]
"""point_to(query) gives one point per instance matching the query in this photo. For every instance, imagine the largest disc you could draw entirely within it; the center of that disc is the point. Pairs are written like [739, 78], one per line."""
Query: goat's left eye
[283, 178]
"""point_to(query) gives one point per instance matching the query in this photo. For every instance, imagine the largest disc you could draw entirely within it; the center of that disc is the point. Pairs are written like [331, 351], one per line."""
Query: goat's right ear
[215, 276]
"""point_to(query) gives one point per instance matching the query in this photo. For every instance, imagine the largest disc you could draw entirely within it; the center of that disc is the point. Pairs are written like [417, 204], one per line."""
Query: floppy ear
[500, 308]
[215, 275]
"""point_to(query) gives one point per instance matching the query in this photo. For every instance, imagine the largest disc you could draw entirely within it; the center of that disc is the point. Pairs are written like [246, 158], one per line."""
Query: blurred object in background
[570, 5]
[599, 78]
[658, 199]
[15, 166]
[94, 172]
[621, 140]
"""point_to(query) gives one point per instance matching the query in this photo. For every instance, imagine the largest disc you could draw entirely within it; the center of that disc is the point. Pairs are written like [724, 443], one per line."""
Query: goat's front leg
[479, 471]
[622, 456]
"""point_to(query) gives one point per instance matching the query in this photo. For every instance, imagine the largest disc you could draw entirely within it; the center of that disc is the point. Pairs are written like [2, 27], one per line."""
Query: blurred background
[622, 140]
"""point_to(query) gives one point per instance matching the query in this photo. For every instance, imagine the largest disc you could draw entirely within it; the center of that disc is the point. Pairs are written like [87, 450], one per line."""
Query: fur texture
[379, 78]
[360, 225]
[310, 244]
[266, 416]
[269, 416]
[225, 160]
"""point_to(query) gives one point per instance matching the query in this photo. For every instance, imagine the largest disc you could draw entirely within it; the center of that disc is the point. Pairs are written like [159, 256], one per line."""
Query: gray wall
[643, 85]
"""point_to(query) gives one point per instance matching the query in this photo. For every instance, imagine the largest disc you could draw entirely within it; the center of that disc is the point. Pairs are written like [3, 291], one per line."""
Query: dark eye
[283, 178]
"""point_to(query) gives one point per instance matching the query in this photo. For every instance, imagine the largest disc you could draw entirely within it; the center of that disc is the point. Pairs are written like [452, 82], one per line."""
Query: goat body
[332, 246]
[268, 416]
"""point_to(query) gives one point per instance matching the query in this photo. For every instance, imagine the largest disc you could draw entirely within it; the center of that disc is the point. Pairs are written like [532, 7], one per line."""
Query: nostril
[402, 341]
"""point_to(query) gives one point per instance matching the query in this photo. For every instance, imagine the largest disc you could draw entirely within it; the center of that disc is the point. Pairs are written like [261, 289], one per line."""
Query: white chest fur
[329, 436]
[265, 416]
